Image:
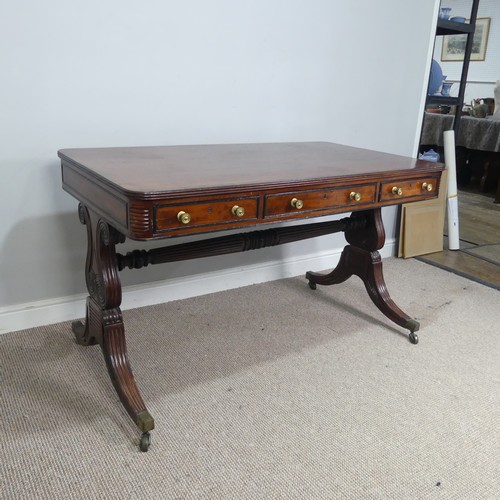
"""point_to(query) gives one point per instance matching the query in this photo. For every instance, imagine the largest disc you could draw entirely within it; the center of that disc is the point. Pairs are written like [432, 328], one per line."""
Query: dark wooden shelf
[442, 99]
[445, 27]
[448, 27]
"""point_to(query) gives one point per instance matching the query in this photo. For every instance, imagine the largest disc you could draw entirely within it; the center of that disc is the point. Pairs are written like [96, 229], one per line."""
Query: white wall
[121, 72]
[482, 75]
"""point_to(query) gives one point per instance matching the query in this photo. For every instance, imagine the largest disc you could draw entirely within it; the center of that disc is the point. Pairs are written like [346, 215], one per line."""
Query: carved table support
[362, 259]
[104, 320]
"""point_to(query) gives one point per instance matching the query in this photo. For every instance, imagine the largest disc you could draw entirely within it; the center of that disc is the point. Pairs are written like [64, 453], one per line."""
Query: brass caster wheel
[413, 338]
[145, 441]
[312, 285]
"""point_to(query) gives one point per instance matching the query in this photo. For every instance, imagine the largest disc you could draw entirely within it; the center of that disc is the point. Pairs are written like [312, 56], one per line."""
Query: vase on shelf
[446, 87]
[444, 12]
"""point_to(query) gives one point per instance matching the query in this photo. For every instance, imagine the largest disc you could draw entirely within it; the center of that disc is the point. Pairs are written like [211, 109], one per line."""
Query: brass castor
[312, 285]
[145, 441]
[413, 338]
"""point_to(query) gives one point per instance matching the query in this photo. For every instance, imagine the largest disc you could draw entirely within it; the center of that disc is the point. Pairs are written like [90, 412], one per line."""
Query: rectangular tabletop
[141, 190]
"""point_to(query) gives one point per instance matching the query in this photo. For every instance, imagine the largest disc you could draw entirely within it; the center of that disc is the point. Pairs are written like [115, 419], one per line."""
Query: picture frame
[453, 48]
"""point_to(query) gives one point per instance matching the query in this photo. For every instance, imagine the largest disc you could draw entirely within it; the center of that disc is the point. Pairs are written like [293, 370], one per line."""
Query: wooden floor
[479, 254]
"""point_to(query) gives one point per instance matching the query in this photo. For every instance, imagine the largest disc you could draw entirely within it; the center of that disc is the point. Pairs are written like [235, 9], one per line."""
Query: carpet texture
[271, 391]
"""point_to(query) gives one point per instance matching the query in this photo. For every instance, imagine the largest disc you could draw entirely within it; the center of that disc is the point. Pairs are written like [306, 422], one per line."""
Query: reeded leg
[104, 320]
[362, 259]
[340, 274]
[82, 331]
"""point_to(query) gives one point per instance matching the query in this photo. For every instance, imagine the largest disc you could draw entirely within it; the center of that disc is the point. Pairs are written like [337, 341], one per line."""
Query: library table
[150, 193]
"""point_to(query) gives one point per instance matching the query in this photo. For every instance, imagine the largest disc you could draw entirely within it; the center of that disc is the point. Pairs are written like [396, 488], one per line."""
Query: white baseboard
[46, 312]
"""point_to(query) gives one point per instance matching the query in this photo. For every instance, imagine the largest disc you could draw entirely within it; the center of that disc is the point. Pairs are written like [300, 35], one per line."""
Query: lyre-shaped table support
[104, 320]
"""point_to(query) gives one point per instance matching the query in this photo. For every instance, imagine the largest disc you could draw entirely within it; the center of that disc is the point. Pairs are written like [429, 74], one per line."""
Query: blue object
[458, 19]
[445, 90]
[436, 78]
[444, 12]
[430, 155]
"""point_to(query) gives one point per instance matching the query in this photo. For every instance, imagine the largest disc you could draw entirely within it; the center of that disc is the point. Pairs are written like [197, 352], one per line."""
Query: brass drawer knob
[296, 203]
[183, 217]
[355, 196]
[427, 186]
[238, 211]
[398, 191]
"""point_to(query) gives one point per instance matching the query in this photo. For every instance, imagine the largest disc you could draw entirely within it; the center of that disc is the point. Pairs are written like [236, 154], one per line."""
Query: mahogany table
[146, 193]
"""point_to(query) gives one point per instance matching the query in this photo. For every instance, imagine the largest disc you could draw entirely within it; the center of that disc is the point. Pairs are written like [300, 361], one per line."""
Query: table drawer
[415, 188]
[206, 213]
[297, 202]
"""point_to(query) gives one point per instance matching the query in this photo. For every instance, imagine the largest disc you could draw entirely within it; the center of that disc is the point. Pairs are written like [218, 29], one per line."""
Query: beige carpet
[272, 391]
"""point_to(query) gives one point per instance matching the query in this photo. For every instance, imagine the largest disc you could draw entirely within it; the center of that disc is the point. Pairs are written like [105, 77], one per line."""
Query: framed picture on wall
[454, 45]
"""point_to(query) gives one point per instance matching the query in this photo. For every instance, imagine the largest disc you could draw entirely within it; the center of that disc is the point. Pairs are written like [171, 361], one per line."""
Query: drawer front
[208, 213]
[415, 188]
[304, 202]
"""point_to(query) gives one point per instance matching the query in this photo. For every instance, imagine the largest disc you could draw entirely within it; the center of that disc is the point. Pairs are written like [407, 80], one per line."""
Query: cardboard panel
[422, 224]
